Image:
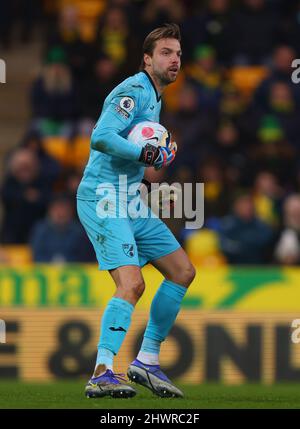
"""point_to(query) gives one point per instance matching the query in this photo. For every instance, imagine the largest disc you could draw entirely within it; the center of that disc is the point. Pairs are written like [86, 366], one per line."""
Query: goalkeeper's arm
[114, 120]
[107, 140]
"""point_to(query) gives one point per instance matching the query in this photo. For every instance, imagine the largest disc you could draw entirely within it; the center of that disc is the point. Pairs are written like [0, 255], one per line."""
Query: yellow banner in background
[247, 289]
[230, 347]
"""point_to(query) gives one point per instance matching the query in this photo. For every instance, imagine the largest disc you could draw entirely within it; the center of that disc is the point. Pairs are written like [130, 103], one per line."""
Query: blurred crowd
[234, 112]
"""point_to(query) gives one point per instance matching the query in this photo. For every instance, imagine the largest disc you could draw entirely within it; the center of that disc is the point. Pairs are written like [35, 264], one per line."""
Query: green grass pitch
[69, 394]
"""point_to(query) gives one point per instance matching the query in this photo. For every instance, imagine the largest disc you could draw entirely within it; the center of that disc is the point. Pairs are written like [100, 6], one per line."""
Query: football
[149, 132]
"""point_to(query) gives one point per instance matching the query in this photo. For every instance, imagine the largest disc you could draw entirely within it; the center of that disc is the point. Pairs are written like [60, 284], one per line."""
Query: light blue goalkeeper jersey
[134, 100]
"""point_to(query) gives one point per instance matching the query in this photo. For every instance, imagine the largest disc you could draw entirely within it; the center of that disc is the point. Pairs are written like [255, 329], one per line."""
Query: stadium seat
[80, 151]
[89, 12]
[203, 248]
[16, 254]
[90, 9]
[247, 78]
[171, 93]
[58, 148]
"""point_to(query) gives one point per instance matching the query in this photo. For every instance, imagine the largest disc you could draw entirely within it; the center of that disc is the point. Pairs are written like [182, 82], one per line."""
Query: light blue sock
[150, 346]
[164, 309]
[114, 326]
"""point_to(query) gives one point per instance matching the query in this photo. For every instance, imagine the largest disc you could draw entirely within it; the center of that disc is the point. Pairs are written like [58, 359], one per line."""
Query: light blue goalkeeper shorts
[125, 241]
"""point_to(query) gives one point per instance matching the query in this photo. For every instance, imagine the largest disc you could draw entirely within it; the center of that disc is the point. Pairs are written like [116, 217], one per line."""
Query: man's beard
[163, 78]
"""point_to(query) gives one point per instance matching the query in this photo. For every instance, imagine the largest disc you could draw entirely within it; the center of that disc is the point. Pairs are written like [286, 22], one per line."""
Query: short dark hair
[167, 31]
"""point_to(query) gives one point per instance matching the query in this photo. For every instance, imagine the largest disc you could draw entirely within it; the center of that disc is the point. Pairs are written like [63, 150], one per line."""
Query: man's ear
[147, 60]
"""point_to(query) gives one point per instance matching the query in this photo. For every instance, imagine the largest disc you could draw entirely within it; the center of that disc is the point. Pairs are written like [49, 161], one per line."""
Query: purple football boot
[152, 377]
[109, 384]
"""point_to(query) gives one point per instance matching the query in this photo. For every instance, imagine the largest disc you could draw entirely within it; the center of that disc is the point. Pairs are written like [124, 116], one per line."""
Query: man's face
[165, 61]
[244, 208]
[61, 213]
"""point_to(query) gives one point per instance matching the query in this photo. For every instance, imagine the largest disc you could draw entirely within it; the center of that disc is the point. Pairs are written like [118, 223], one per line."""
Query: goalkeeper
[122, 244]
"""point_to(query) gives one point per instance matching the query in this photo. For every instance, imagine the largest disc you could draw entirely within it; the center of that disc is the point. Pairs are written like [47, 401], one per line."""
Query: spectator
[191, 126]
[216, 196]
[117, 40]
[235, 108]
[70, 181]
[25, 195]
[49, 167]
[65, 34]
[267, 195]
[254, 26]
[272, 151]
[287, 250]
[132, 11]
[205, 73]
[290, 25]
[210, 26]
[157, 12]
[59, 237]
[227, 144]
[281, 71]
[53, 94]
[244, 239]
[96, 87]
[281, 103]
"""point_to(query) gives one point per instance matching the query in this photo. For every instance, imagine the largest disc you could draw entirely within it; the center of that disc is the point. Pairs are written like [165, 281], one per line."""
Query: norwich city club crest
[128, 249]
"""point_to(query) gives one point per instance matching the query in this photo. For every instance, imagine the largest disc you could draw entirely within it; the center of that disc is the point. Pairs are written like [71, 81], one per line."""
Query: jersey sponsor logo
[122, 112]
[128, 249]
[127, 104]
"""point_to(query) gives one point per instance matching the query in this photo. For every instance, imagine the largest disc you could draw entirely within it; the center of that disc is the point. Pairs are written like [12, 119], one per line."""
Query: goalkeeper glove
[172, 149]
[158, 156]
